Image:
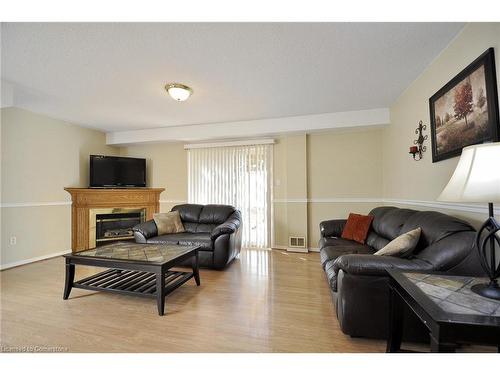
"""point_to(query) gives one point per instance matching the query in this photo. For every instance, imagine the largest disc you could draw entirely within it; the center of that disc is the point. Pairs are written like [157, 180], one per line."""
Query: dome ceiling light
[178, 91]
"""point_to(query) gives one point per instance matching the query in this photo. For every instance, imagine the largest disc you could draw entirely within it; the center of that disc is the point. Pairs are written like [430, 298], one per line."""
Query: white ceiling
[111, 75]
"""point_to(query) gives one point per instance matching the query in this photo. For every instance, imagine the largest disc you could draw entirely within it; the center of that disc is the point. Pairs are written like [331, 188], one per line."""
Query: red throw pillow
[357, 227]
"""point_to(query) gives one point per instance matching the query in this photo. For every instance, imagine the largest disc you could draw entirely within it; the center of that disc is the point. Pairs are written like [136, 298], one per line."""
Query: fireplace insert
[114, 226]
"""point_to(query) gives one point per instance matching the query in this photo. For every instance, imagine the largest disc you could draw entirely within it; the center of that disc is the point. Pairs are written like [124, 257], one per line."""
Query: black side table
[448, 308]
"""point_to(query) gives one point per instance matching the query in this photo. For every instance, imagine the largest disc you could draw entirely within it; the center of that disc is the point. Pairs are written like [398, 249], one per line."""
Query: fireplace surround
[95, 212]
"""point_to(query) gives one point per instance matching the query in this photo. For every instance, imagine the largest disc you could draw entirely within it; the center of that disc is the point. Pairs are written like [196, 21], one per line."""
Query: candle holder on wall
[419, 149]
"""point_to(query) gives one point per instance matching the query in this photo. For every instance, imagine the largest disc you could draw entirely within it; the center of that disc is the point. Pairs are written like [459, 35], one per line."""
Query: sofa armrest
[228, 227]
[144, 231]
[332, 228]
[376, 265]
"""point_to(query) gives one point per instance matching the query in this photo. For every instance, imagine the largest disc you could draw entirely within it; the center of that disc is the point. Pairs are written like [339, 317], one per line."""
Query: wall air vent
[297, 245]
[299, 242]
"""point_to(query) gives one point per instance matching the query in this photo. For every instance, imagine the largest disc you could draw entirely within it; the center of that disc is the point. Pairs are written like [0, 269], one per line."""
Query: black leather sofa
[215, 228]
[358, 279]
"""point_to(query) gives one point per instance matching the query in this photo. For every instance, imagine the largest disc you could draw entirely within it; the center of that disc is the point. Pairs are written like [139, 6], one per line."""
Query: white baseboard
[278, 247]
[297, 250]
[31, 260]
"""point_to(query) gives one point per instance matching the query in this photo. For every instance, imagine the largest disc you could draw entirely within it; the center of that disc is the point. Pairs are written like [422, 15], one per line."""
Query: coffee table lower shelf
[132, 282]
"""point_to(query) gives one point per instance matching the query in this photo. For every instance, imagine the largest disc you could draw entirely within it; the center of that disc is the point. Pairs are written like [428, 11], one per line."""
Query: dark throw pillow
[357, 227]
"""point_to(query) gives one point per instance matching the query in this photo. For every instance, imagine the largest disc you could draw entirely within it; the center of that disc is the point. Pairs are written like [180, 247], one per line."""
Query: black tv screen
[115, 171]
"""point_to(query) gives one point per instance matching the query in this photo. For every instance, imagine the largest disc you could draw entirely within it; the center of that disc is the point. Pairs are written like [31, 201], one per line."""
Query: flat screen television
[117, 172]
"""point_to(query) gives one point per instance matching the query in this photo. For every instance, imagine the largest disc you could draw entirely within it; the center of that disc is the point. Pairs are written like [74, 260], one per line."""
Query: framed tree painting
[465, 111]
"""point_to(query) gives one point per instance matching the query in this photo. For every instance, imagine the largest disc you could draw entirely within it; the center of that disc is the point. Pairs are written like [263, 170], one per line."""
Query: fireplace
[88, 203]
[113, 224]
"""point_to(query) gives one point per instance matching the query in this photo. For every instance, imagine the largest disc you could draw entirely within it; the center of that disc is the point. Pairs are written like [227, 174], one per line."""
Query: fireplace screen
[116, 224]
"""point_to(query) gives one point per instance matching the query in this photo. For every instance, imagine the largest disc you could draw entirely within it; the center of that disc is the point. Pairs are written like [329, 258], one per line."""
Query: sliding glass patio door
[240, 176]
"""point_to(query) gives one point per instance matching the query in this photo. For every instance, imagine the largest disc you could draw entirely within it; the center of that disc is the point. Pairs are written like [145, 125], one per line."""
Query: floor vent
[297, 245]
[298, 242]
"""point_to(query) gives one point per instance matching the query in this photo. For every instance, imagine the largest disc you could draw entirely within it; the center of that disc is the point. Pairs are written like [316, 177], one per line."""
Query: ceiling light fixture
[178, 91]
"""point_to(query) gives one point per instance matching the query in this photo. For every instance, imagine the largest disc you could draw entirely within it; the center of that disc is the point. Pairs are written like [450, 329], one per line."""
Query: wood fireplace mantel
[84, 200]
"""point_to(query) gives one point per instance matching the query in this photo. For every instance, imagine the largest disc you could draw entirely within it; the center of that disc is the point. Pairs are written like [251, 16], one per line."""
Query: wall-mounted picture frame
[464, 112]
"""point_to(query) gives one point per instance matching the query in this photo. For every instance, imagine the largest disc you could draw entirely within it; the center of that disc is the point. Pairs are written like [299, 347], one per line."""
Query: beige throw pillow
[402, 245]
[168, 222]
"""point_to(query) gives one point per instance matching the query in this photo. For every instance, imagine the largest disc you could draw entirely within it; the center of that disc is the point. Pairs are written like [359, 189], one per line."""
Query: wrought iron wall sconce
[419, 149]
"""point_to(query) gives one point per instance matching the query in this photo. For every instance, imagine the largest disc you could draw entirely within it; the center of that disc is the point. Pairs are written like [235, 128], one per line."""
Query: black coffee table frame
[132, 277]
[445, 329]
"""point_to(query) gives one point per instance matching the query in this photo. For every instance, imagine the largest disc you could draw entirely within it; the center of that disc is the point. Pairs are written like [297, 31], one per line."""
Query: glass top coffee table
[448, 308]
[135, 269]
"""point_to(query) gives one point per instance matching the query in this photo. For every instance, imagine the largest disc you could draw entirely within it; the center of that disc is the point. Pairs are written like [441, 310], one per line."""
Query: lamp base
[491, 290]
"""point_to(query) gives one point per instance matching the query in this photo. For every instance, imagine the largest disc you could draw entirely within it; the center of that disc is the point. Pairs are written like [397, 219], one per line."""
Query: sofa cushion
[198, 239]
[189, 212]
[333, 252]
[435, 226]
[376, 241]
[205, 228]
[169, 239]
[335, 241]
[388, 221]
[456, 253]
[190, 227]
[187, 239]
[215, 214]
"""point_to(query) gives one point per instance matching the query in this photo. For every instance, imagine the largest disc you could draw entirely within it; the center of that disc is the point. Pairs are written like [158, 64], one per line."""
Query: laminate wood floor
[266, 301]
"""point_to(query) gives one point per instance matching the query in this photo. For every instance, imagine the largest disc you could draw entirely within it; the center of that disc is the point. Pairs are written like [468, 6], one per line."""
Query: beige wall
[166, 168]
[41, 156]
[344, 169]
[290, 189]
[322, 176]
[404, 178]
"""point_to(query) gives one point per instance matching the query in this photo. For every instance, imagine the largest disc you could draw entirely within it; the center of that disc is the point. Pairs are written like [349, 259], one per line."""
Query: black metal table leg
[70, 277]
[196, 269]
[396, 317]
[160, 291]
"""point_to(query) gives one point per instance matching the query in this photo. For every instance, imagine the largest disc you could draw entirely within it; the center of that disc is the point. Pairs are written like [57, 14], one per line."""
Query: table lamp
[477, 179]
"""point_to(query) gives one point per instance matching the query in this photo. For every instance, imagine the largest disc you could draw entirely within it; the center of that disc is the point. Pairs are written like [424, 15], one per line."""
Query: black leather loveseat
[215, 228]
[358, 279]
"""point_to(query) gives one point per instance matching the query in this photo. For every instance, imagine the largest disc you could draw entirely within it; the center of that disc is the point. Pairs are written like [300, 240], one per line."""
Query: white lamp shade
[477, 176]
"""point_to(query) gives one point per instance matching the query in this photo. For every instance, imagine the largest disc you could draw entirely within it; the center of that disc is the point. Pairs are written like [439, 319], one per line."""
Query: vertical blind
[239, 176]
